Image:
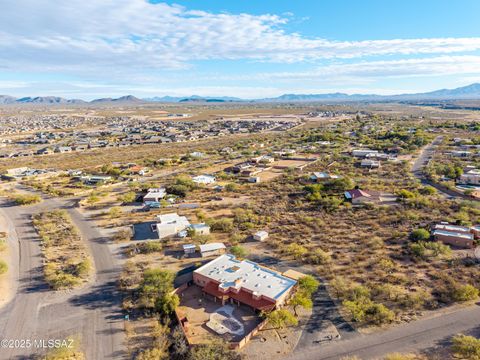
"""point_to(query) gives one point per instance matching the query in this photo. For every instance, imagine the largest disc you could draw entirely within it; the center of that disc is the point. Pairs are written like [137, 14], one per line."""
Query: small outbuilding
[260, 236]
[189, 249]
[212, 249]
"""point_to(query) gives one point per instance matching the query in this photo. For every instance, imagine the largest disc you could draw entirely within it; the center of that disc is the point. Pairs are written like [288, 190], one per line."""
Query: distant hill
[193, 98]
[48, 100]
[472, 90]
[122, 99]
[6, 99]
[469, 92]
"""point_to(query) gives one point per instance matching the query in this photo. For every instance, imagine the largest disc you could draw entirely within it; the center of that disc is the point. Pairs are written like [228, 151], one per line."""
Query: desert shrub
[3, 267]
[153, 354]
[150, 247]
[239, 251]
[231, 187]
[419, 235]
[156, 291]
[296, 250]
[26, 199]
[425, 250]
[214, 351]
[319, 257]
[82, 269]
[465, 293]
[128, 197]
[428, 190]
[114, 212]
[222, 224]
[122, 235]
[398, 356]
[365, 310]
[466, 347]
[181, 186]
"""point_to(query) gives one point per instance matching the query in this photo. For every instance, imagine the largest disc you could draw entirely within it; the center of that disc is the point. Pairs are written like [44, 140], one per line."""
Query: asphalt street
[91, 314]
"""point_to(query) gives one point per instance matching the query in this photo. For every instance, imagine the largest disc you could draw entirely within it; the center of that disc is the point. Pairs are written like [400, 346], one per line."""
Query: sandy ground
[7, 281]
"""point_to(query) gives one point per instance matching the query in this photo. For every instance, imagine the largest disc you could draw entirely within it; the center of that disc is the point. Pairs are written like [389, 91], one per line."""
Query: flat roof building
[171, 224]
[155, 195]
[243, 282]
[458, 239]
[212, 249]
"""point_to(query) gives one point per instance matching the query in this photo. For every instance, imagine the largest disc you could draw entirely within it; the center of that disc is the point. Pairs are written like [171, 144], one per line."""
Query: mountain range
[465, 93]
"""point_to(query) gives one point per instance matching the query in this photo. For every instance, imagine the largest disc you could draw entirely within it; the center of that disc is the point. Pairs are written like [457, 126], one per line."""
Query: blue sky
[89, 49]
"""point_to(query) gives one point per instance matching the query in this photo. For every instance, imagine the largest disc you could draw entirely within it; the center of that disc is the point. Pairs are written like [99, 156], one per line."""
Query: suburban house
[204, 179]
[260, 235]
[362, 153]
[369, 163]
[460, 153]
[211, 249]
[154, 195]
[360, 197]
[471, 177]
[243, 282]
[170, 225]
[323, 176]
[459, 236]
[138, 170]
[200, 229]
[95, 179]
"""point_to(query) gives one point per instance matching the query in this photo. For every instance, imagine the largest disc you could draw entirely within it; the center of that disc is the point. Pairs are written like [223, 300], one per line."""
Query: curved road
[422, 334]
[92, 314]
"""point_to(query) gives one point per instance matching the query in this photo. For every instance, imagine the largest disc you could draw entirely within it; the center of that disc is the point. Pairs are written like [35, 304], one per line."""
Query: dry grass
[67, 261]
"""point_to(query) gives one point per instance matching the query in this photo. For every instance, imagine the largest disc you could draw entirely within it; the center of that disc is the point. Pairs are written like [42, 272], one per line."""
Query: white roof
[230, 272]
[364, 151]
[156, 191]
[453, 234]
[211, 247]
[261, 233]
[204, 178]
[172, 218]
[325, 175]
[189, 246]
[449, 227]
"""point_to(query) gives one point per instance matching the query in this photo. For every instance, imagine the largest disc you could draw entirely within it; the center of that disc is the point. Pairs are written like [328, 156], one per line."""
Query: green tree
[128, 197]
[239, 251]
[297, 251]
[308, 284]
[281, 318]
[156, 291]
[419, 235]
[301, 298]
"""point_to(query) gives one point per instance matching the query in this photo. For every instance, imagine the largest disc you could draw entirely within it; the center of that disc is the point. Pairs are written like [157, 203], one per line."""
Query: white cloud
[112, 36]
[367, 71]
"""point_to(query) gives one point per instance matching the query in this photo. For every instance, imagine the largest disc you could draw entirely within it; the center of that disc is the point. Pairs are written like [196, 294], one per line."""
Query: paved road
[425, 156]
[422, 161]
[419, 335]
[93, 313]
